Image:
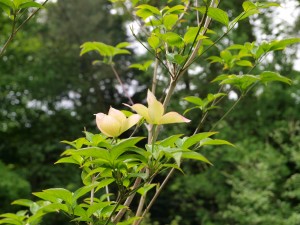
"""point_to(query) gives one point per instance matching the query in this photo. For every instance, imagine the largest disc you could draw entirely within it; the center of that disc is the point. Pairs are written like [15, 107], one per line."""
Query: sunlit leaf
[282, 44]
[173, 39]
[195, 100]
[83, 190]
[96, 207]
[215, 59]
[55, 195]
[23, 202]
[210, 141]
[169, 141]
[195, 156]
[216, 14]
[170, 20]
[123, 146]
[244, 63]
[268, 76]
[144, 11]
[74, 159]
[153, 41]
[191, 34]
[177, 9]
[147, 187]
[266, 4]
[240, 81]
[30, 4]
[247, 5]
[196, 138]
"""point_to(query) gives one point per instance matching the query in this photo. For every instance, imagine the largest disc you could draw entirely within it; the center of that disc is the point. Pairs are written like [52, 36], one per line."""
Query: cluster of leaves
[14, 7]
[109, 162]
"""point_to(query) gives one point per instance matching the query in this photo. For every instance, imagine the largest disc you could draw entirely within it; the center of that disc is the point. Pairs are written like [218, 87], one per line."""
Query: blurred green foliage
[12, 186]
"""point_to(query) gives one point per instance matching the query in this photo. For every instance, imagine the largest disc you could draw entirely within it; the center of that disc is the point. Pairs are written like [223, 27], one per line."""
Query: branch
[122, 84]
[15, 31]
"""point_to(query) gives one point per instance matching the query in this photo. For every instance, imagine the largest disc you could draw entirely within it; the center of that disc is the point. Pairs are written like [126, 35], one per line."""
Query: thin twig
[127, 202]
[228, 111]
[193, 55]
[121, 83]
[154, 79]
[15, 31]
[157, 194]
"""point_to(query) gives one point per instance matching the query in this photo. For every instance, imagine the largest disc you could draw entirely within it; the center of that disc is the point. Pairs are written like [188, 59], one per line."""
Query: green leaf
[215, 59]
[103, 49]
[104, 183]
[173, 39]
[249, 9]
[54, 207]
[192, 108]
[169, 141]
[123, 146]
[191, 34]
[55, 194]
[210, 141]
[244, 63]
[18, 3]
[7, 6]
[177, 9]
[235, 46]
[123, 45]
[177, 157]
[175, 166]
[90, 152]
[216, 14]
[170, 20]
[268, 76]
[30, 4]
[107, 211]
[195, 100]
[176, 58]
[7, 3]
[83, 190]
[282, 44]
[96, 207]
[196, 156]
[10, 218]
[240, 81]
[144, 11]
[143, 67]
[266, 4]
[79, 211]
[144, 176]
[147, 187]
[247, 5]
[80, 142]
[23, 202]
[153, 41]
[226, 55]
[211, 97]
[71, 159]
[196, 138]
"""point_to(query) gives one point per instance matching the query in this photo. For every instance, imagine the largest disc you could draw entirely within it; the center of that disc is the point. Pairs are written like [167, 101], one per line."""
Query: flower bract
[115, 122]
[154, 113]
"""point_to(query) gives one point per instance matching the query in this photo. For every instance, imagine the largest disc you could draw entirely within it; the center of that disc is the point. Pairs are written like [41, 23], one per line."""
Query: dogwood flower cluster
[115, 122]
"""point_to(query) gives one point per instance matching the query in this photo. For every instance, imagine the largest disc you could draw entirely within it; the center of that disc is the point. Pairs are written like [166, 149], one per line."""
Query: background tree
[49, 93]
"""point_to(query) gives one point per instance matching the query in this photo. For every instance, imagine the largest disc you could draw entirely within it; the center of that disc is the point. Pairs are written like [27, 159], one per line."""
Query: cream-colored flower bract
[115, 122]
[154, 114]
